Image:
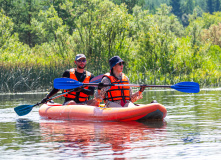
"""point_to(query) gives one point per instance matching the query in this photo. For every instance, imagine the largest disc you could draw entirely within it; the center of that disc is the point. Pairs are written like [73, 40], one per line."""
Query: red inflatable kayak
[153, 111]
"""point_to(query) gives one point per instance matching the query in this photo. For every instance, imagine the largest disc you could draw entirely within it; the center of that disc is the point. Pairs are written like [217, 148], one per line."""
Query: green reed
[22, 77]
[33, 77]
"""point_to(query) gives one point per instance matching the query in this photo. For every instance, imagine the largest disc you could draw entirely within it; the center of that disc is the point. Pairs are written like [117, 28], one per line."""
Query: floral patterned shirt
[100, 96]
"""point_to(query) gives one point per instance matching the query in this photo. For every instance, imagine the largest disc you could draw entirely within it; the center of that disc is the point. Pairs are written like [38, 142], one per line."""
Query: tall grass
[22, 77]
[36, 77]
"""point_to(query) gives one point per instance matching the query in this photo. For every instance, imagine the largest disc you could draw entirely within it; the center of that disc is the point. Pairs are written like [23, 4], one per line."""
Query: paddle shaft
[25, 109]
[97, 78]
[60, 95]
[68, 83]
[128, 85]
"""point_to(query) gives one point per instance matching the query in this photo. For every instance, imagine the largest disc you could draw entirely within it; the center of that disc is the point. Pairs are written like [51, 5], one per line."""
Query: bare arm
[99, 94]
[135, 96]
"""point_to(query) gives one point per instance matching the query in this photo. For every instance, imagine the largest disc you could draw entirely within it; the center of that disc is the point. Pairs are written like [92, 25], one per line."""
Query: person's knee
[72, 102]
[130, 104]
[112, 105]
[93, 103]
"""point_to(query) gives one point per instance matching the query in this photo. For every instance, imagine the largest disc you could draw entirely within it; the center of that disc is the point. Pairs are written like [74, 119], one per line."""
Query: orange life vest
[82, 97]
[116, 93]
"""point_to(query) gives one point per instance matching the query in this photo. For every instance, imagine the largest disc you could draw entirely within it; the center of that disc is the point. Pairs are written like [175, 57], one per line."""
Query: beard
[81, 67]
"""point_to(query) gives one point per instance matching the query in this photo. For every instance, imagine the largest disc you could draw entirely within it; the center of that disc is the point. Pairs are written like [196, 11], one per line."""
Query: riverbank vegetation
[160, 43]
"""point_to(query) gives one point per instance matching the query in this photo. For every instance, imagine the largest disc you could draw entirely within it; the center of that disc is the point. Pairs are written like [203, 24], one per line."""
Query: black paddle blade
[23, 109]
[97, 79]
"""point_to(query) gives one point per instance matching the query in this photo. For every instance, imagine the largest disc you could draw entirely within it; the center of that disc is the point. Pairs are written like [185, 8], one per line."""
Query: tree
[7, 6]
[22, 14]
[176, 7]
[130, 3]
[213, 34]
[217, 5]
[210, 6]
[6, 28]
[63, 14]
[46, 25]
[155, 43]
[189, 7]
[101, 31]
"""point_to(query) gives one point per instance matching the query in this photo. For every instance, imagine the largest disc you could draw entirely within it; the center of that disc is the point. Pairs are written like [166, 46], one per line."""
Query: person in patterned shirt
[117, 96]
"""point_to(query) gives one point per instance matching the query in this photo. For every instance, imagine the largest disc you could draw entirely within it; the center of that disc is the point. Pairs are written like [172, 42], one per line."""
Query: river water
[191, 130]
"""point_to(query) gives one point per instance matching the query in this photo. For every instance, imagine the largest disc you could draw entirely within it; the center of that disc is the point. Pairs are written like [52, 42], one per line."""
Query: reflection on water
[26, 127]
[86, 139]
[191, 130]
[192, 138]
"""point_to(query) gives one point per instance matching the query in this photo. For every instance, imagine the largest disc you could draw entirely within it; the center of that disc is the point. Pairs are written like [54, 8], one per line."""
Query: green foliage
[101, 32]
[156, 47]
[156, 42]
[176, 7]
[130, 4]
[46, 25]
[210, 6]
[189, 6]
[6, 28]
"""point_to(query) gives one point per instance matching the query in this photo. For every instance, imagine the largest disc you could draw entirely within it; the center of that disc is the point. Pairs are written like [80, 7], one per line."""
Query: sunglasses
[81, 60]
[121, 63]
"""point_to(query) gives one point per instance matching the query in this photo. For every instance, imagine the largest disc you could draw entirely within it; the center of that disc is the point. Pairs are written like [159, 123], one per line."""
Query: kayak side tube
[153, 111]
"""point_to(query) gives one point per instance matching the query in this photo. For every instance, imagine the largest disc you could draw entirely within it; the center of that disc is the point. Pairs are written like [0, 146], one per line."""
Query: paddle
[25, 109]
[97, 79]
[67, 83]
